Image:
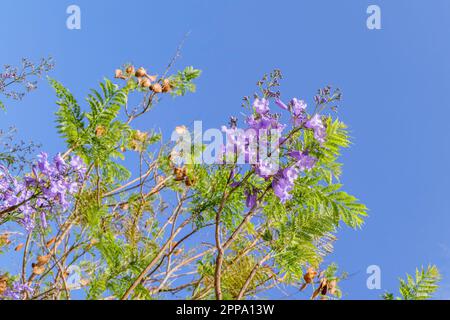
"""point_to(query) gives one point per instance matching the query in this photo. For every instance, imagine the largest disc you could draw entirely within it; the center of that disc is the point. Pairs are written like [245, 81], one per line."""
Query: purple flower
[78, 165]
[281, 104]
[316, 124]
[252, 197]
[43, 164]
[304, 161]
[298, 107]
[261, 106]
[59, 163]
[17, 291]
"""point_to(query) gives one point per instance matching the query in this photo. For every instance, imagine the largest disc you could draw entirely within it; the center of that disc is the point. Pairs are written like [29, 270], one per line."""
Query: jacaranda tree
[172, 225]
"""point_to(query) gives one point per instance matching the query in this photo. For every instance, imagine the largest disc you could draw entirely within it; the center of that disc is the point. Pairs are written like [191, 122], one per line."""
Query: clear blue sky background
[395, 83]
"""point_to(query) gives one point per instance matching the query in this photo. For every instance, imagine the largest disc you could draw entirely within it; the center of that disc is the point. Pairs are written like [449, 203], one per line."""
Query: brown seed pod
[38, 270]
[145, 83]
[130, 70]
[140, 72]
[189, 182]
[100, 131]
[118, 74]
[50, 242]
[3, 283]
[180, 174]
[167, 87]
[156, 87]
[316, 293]
[43, 260]
[310, 275]
[19, 247]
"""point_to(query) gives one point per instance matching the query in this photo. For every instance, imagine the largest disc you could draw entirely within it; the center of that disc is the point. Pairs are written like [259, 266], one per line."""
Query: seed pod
[19, 247]
[118, 74]
[316, 293]
[38, 270]
[309, 275]
[189, 182]
[130, 70]
[50, 242]
[100, 131]
[145, 83]
[140, 72]
[166, 86]
[3, 284]
[180, 174]
[43, 260]
[324, 290]
[156, 87]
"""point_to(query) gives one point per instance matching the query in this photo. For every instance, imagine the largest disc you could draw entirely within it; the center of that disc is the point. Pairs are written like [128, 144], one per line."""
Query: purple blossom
[17, 291]
[281, 104]
[316, 124]
[261, 106]
[304, 161]
[59, 163]
[46, 189]
[252, 197]
[298, 107]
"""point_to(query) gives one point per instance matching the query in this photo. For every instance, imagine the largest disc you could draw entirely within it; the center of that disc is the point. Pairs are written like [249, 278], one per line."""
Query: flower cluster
[44, 190]
[17, 291]
[263, 124]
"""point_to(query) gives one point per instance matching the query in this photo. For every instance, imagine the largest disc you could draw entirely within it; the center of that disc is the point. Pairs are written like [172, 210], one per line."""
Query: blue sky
[394, 80]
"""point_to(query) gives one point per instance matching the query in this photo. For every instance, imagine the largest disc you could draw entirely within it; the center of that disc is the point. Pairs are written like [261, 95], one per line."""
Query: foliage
[420, 287]
[155, 228]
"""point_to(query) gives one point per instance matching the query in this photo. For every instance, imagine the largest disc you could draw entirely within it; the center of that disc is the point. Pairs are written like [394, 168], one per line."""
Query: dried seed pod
[38, 270]
[100, 131]
[166, 86]
[145, 83]
[310, 275]
[180, 174]
[324, 290]
[316, 293]
[43, 260]
[19, 247]
[3, 283]
[156, 88]
[140, 72]
[189, 182]
[130, 70]
[50, 242]
[118, 74]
